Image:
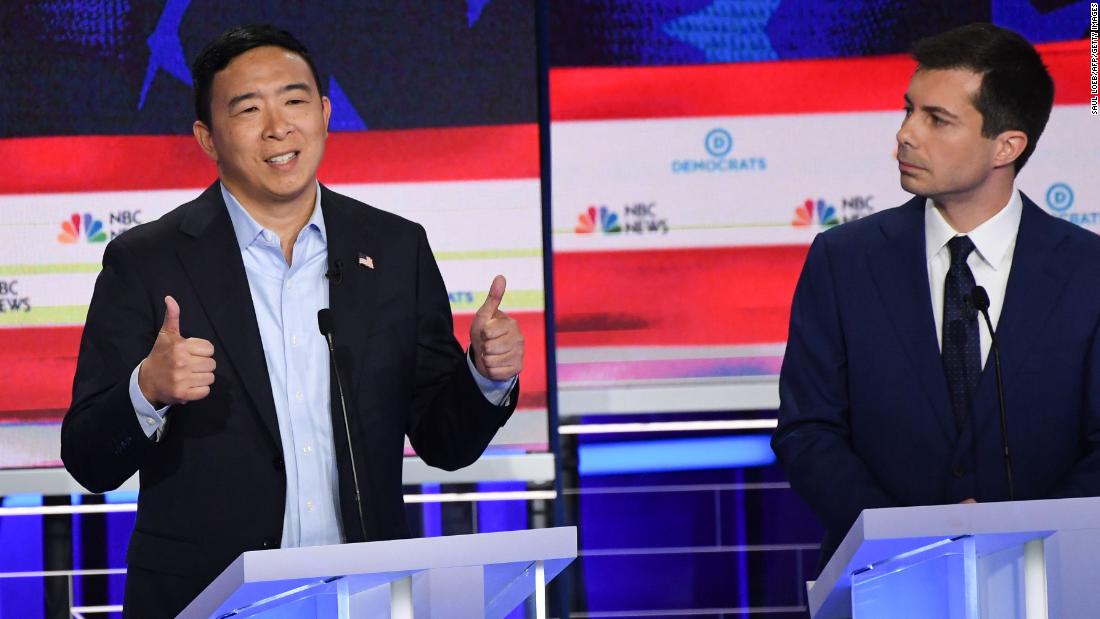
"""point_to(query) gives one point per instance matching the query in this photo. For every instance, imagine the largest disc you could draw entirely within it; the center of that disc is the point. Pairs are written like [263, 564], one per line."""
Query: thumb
[492, 301]
[171, 316]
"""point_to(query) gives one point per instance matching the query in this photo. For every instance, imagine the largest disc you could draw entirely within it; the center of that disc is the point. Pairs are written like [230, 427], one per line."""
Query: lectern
[459, 576]
[1011, 560]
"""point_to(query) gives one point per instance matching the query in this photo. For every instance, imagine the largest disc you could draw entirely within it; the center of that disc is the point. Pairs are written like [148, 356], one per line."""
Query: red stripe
[675, 297]
[39, 364]
[38, 369]
[786, 87]
[726, 295]
[126, 163]
[532, 393]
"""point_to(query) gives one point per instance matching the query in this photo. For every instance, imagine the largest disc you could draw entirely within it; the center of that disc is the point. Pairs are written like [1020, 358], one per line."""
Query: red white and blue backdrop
[434, 118]
[698, 147]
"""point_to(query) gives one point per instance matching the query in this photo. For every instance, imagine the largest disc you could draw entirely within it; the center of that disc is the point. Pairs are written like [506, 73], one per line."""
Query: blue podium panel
[1010, 560]
[459, 576]
[934, 586]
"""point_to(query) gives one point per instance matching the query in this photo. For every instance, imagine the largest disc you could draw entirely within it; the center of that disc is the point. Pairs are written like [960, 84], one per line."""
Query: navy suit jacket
[215, 485]
[865, 418]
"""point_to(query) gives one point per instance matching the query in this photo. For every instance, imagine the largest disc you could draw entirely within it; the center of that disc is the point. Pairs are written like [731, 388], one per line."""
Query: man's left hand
[495, 338]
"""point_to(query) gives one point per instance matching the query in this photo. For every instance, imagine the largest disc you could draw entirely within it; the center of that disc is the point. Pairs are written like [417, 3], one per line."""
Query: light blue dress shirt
[286, 299]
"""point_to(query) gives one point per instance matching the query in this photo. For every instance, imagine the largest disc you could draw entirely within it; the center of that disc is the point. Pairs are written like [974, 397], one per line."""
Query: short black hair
[221, 51]
[1016, 92]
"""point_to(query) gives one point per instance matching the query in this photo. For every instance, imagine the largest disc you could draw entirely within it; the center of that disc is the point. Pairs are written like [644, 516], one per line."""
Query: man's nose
[276, 125]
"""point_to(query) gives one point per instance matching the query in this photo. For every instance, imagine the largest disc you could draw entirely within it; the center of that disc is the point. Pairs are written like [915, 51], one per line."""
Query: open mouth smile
[282, 159]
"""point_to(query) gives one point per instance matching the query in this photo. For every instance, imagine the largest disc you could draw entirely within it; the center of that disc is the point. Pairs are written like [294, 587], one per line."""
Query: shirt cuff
[497, 392]
[152, 420]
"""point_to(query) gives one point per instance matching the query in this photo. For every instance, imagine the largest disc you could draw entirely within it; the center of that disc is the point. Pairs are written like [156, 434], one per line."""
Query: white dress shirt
[991, 261]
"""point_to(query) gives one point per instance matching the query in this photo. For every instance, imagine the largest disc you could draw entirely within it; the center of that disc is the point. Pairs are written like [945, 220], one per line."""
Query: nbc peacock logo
[93, 231]
[811, 212]
[598, 220]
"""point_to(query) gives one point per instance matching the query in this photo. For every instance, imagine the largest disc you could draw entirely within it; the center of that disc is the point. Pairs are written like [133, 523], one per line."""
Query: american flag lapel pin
[366, 261]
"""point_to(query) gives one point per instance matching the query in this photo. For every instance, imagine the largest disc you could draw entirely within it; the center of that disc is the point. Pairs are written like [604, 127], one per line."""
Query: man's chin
[909, 184]
[289, 192]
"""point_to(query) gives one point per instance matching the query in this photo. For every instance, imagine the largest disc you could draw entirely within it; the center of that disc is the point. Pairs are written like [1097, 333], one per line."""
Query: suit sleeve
[451, 422]
[1083, 479]
[102, 441]
[812, 439]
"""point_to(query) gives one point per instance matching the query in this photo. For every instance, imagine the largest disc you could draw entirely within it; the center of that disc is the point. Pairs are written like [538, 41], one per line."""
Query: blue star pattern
[165, 49]
[473, 11]
[97, 24]
[344, 117]
[1067, 22]
[728, 30]
[642, 32]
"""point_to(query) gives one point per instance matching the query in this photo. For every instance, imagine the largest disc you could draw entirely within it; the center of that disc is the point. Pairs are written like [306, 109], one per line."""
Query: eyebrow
[935, 109]
[302, 86]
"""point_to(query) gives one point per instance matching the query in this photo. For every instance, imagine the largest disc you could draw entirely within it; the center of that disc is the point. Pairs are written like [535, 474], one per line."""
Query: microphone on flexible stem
[325, 323]
[979, 300]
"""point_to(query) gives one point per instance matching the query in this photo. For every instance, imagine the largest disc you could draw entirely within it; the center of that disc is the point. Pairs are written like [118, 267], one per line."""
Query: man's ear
[326, 109]
[1010, 145]
[205, 139]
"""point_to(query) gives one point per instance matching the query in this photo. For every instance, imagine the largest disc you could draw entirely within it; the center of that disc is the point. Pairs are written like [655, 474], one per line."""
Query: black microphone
[327, 326]
[335, 274]
[979, 300]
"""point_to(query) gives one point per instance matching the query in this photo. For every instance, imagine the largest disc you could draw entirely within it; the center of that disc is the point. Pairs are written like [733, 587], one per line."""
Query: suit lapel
[900, 272]
[1034, 284]
[352, 299]
[212, 259]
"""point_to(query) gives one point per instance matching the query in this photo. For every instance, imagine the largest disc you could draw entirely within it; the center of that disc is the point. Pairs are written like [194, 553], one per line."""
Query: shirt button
[294, 340]
[309, 505]
[308, 449]
[298, 396]
[150, 421]
[289, 285]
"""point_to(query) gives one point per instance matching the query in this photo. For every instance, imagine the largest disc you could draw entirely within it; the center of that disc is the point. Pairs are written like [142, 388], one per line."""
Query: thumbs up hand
[495, 338]
[178, 370]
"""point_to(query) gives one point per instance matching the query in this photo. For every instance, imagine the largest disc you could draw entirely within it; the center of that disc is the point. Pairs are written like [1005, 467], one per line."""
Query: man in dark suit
[202, 367]
[883, 397]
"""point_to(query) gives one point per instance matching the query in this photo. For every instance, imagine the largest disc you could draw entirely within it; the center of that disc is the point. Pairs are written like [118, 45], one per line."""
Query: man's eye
[908, 111]
[939, 122]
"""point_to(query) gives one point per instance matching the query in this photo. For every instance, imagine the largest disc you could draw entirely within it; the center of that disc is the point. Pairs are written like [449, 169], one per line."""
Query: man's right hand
[178, 370]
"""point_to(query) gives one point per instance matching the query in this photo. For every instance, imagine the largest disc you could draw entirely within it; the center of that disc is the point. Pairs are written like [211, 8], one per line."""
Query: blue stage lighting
[680, 454]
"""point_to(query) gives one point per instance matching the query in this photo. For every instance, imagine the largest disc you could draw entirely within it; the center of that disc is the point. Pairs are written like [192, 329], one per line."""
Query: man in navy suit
[888, 393]
[202, 368]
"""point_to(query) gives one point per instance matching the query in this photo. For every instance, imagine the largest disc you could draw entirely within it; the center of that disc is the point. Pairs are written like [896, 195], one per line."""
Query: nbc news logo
[93, 231]
[811, 212]
[602, 220]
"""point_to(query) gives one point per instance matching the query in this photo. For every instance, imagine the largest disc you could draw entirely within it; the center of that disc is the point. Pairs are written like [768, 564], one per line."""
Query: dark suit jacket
[215, 485]
[865, 418]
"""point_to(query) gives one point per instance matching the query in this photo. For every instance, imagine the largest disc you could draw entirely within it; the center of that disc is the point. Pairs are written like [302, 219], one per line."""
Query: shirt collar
[993, 238]
[248, 230]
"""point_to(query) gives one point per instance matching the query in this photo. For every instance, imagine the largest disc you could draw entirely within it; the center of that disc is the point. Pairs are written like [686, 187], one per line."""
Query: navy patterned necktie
[962, 357]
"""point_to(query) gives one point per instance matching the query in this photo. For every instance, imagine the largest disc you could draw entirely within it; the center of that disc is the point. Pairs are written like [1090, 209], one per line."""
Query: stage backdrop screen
[434, 118]
[698, 146]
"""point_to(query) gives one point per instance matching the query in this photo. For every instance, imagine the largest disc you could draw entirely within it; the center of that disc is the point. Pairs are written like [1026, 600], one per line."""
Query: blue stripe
[22, 500]
[682, 454]
[121, 496]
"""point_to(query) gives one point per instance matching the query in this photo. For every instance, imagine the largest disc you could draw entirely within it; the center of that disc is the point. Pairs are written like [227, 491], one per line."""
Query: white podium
[1012, 560]
[460, 576]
